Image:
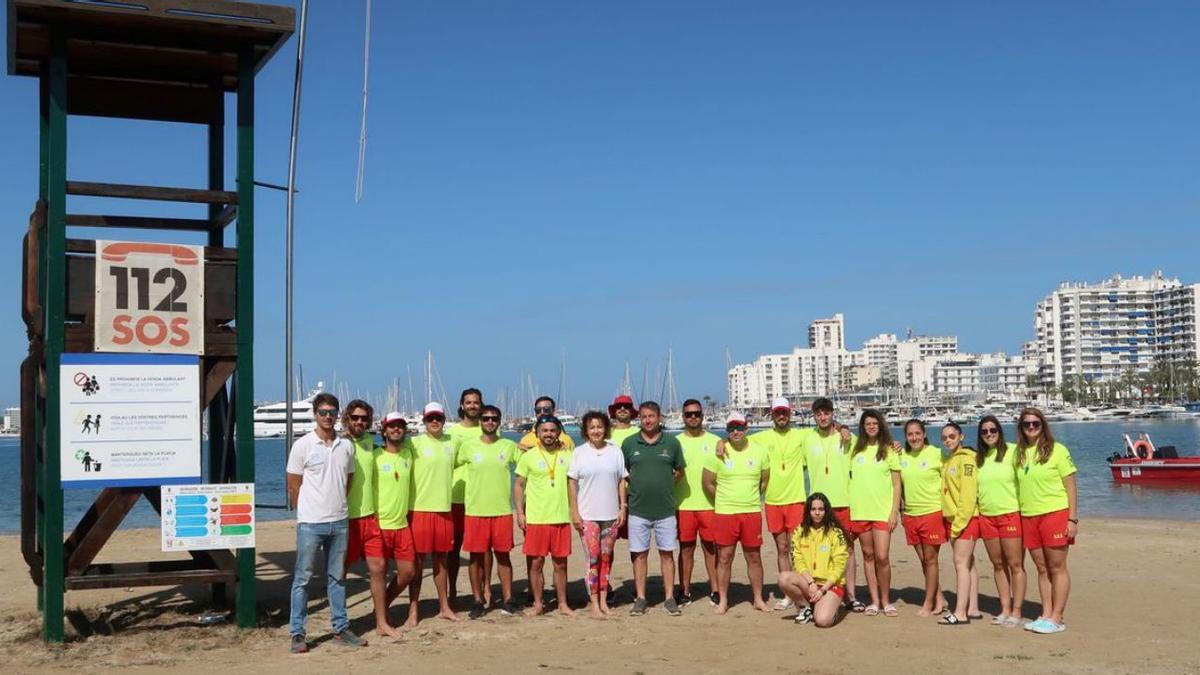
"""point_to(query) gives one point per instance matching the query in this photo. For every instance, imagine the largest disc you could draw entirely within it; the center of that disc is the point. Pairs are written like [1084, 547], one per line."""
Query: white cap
[433, 408]
[781, 403]
[394, 417]
[735, 418]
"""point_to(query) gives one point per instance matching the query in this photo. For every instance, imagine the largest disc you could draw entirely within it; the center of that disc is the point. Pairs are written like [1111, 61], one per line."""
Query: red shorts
[488, 533]
[730, 529]
[693, 524]
[784, 517]
[929, 528]
[548, 540]
[398, 544]
[1003, 526]
[432, 531]
[458, 514]
[971, 531]
[364, 540]
[843, 515]
[864, 526]
[1048, 530]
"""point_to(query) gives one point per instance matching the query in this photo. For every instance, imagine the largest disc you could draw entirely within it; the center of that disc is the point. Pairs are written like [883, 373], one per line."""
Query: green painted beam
[55, 311]
[244, 376]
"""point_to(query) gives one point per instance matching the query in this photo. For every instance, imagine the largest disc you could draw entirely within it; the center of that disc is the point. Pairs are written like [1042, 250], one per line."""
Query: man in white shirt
[320, 469]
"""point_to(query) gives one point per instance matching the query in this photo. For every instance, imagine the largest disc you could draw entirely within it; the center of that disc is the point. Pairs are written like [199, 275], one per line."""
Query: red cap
[620, 400]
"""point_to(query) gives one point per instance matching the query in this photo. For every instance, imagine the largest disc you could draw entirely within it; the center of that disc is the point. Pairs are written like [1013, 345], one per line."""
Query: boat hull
[1184, 469]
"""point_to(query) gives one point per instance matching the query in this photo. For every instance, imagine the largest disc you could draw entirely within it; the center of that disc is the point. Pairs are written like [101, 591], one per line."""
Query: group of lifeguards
[425, 498]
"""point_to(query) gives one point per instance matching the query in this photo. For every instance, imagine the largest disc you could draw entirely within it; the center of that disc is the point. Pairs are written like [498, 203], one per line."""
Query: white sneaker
[784, 604]
[1048, 627]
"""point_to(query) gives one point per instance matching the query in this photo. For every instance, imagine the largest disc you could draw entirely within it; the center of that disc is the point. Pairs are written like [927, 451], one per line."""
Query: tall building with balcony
[827, 333]
[1098, 332]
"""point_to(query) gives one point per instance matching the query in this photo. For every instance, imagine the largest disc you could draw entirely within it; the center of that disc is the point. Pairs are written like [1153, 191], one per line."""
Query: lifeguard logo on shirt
[426, 452]
[478, 457]
[824, 548]
[750, 463]
[729, 463]
[904, 464]
[924, 464]
[386, 467]
[952, 471]
[315, 458]
[861, 459]
[968, 470]
[447, 448]
[542, 464]
[502, 456]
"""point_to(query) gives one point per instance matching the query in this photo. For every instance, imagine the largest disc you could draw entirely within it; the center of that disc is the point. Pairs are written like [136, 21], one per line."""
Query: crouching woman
[819, 556]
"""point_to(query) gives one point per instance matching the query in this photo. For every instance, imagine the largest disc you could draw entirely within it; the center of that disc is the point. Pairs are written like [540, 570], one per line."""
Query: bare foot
[535, 610]
[413, 618]
[925, 611]
[386, 630]
[721, 609]
[762, 606]
[936, 612]
[447, 614]
[605, 609]
[594, 611]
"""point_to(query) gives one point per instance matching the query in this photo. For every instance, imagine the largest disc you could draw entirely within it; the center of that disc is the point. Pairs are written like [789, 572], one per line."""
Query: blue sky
[616, 178]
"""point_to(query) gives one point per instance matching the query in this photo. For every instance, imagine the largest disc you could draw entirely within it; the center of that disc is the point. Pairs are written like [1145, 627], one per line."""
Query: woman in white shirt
[596, 489]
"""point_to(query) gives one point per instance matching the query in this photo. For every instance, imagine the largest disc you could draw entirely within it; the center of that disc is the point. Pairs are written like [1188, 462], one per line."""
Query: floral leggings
[599, 538]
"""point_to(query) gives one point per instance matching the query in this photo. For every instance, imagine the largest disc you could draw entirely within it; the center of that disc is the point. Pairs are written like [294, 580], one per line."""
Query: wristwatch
[1073, 520]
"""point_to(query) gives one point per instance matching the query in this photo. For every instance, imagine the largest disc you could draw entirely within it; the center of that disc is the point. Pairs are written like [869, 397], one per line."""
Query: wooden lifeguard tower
[162, 60]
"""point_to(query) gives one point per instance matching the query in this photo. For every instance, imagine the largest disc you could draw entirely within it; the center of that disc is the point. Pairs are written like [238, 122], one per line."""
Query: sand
[1130, 612]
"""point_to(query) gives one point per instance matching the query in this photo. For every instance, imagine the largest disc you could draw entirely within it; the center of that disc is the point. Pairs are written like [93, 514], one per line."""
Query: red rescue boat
[1142, 461]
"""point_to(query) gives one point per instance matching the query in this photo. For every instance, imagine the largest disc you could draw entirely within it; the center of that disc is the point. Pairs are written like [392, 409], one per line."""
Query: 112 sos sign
[149, 297]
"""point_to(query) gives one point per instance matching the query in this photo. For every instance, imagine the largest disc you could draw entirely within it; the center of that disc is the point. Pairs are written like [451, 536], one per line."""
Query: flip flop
[871, 610]
[999, 620]
[890, 610]
[856, 606]
[975, 617]
[951, 620]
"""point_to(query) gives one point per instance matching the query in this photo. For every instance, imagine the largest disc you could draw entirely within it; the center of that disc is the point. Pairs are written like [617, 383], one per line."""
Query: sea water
[1090, 444]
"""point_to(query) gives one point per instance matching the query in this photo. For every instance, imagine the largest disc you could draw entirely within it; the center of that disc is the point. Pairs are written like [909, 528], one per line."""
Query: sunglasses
[693, 413]
[989, 431]
[543, 410]
[435, 418]
[735, 427]
[396, 425]
[1032, 424]
[360, 418]
[490, 418]
[623, 406]
[327, 412]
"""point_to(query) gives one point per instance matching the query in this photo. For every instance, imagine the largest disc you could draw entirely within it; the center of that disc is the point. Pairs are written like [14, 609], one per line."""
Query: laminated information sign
[149, 297]
[129, 420]
[207, 517]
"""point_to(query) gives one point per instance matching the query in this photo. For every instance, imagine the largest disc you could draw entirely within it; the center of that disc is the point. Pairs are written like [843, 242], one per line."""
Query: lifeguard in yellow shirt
[819, 556]
[960, 508]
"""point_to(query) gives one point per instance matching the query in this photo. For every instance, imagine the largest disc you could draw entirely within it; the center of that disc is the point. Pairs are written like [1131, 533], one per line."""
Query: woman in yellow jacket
[960, 508]
[819, 556]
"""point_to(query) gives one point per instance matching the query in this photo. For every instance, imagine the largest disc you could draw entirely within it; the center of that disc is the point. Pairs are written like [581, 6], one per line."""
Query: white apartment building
[956, 375]
[827, 333]
[803, 372]
[12, 419]
[1097, 332]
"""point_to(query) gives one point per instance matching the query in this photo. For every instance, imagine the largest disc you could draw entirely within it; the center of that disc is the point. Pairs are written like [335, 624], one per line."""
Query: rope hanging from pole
[362, 131]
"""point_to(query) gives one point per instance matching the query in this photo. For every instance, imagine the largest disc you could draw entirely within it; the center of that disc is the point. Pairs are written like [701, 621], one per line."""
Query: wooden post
[218, 408]
[56, 295]
[244, 377]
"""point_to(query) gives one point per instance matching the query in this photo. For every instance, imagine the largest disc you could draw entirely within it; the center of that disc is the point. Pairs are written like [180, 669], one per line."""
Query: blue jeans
[310, 537]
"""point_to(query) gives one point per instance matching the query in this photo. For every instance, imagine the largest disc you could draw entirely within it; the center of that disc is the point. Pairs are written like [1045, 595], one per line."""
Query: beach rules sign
[149, 297]
[129, 420]
[207, 517]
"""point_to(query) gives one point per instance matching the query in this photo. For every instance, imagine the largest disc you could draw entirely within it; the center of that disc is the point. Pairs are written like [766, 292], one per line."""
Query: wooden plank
[219, 371]
[137, 222]
[220, 293]
[164, 194]
[172, 101]
[31, 308]
[92, 539]
[156, 573]
[212, 254]
[29, 549]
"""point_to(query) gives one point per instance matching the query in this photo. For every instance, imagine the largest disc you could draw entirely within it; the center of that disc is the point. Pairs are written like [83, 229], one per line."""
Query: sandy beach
[1128, 614]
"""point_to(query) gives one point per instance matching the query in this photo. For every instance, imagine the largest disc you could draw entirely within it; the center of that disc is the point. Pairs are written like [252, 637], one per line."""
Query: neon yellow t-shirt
[786, 452]
[1040, 487]
[433, 473]
[393, 485]
[545, 497]
[998, 483]
[921, 476]
[617, 436]
[828, 466]
[738, 478]
[689, 492]
[458, 435]
[871, 489]
[360, 501]
[486, 469]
